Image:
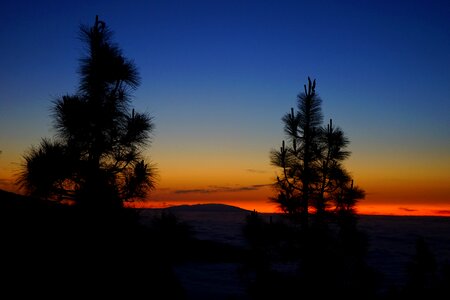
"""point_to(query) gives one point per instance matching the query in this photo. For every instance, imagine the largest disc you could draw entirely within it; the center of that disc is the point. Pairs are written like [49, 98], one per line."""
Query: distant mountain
[12, 202]
[210, 207]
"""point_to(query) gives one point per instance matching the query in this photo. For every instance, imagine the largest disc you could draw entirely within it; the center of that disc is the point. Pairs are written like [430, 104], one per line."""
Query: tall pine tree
[96, 158]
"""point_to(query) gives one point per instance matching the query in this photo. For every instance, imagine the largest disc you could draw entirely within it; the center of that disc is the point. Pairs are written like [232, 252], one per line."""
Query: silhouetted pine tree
[96, 157]
[312, 177]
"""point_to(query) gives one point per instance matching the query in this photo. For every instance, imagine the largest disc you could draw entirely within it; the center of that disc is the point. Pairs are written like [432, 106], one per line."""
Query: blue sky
[218, 76]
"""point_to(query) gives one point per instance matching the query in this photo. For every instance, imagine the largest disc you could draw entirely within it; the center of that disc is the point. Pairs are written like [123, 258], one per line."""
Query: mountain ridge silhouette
[206, 207]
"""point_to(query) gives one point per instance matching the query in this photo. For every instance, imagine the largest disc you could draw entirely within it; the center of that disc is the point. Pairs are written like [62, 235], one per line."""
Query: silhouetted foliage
[425, 278]
[312, 177]
[288, 260]
[422, 271]
[170, 230]
[269, 240]
[96, 157]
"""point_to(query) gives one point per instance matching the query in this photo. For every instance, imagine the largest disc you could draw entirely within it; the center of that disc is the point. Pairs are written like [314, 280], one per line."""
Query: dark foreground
[391, 249]
[200, 252]
[59, 252]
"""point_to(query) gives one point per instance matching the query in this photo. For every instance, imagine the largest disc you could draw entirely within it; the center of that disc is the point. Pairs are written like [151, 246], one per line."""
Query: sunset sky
[217, 76]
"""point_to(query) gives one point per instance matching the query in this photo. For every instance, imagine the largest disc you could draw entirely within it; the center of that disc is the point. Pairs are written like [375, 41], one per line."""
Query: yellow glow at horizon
[391, 180]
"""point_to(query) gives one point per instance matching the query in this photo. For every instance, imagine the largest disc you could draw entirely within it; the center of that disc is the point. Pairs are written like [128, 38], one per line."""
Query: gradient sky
[218, 76]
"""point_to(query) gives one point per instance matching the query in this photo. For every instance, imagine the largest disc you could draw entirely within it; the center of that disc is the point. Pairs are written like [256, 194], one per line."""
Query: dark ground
[55, 251]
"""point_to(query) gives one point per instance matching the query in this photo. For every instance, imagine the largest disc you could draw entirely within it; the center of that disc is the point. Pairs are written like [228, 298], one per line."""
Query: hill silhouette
[208, 207]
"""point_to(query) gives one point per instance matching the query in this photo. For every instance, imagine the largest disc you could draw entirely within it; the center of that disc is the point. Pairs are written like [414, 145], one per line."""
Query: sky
[217, 77]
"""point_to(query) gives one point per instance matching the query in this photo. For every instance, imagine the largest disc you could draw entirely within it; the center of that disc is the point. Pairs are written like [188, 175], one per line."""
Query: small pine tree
[312, 177]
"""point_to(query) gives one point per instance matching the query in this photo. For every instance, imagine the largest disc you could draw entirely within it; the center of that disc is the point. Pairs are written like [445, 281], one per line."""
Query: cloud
[222, 189]
[442, 212]
[200, 191]
[164, 189]
[255, 171]
[407, 209]
[261, 185]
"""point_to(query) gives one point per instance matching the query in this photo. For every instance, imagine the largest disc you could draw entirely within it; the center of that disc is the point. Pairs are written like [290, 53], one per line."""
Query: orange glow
[405, 210]
[250, 197]
[227, 182]
[269, 207]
